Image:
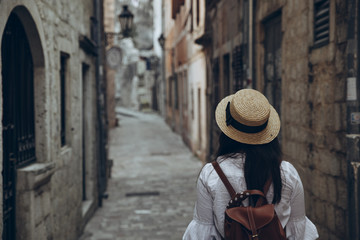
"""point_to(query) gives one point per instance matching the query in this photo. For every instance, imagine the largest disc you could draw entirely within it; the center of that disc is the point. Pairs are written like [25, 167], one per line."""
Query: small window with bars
[237, 65]
[226, 74]
[321, 22]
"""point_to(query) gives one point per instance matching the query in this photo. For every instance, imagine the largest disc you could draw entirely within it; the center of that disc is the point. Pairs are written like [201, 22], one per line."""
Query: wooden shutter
[321, 22]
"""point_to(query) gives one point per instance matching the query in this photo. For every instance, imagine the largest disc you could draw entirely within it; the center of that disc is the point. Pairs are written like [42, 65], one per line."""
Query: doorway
[272, 66]
[18, 115]
[85, 137]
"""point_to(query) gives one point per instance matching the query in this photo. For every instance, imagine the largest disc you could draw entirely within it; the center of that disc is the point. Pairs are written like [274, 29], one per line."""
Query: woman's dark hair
[261, 162]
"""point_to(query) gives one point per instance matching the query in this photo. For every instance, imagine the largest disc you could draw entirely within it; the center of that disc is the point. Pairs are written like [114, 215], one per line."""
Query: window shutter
[237, 65]
[321, 22]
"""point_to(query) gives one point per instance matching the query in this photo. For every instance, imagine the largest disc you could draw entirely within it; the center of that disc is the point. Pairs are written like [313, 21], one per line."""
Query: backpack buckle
[254, 236]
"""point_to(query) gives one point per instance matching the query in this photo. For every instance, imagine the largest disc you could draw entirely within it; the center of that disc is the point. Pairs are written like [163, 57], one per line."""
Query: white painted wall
[197, 79]
[157, 26]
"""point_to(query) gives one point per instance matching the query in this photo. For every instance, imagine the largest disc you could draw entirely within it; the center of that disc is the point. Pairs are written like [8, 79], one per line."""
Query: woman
[249, 153]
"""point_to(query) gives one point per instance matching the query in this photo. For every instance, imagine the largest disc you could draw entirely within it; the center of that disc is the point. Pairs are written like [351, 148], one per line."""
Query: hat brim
[265, 136]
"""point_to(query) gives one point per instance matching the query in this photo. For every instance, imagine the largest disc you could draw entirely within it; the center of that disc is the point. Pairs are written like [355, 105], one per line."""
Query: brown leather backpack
[253, 223]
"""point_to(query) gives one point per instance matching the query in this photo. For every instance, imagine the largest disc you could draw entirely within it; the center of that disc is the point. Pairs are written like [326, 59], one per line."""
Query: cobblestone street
[152, 186]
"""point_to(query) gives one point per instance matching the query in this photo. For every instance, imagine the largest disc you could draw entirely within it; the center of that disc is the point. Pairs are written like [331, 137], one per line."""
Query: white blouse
[208, 221]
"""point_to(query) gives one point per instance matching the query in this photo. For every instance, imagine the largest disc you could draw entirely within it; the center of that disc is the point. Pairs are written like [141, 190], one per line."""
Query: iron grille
[18, 115]
[226, 74]
[237, 66]
[321, 22]
[18, 92]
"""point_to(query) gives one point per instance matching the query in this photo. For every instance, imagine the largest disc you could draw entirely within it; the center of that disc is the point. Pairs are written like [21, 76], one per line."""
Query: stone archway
[18, 114]
[22, 68]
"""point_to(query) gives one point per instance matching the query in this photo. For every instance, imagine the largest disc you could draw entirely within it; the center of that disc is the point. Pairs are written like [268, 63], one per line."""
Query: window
[272, 61]
[180, 82]
[85, 137]
[185, 90]
[176, 91]
[226, 74]
[64, 57]
[192, 103]
[321, 22]
[237, 65]
[176, 5]
[197, 12]
[170, 90]
[216, 76]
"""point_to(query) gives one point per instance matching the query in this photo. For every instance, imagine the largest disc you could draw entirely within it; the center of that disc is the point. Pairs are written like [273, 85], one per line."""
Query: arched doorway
[18, 114]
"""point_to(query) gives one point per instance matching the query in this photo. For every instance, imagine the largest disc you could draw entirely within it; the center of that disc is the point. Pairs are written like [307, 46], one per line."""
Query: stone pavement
[152, 190]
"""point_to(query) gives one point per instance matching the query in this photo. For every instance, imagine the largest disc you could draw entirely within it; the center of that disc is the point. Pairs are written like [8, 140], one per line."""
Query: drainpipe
[353, 123]
[101, 103]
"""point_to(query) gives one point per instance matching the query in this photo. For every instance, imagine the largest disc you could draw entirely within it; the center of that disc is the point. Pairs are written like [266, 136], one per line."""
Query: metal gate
[18, 115]
[272, 66]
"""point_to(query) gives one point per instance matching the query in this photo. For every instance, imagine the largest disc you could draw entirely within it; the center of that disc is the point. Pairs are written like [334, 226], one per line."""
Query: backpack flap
[263, 215]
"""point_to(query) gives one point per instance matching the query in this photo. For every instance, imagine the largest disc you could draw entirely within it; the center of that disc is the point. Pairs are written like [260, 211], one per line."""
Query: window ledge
[86, 205]
[34, 175]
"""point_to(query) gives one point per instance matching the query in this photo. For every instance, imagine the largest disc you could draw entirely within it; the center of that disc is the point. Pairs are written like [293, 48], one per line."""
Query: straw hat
[248, 117]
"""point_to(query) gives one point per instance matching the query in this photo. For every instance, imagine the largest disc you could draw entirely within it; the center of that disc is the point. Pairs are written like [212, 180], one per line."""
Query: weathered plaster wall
[185, 62]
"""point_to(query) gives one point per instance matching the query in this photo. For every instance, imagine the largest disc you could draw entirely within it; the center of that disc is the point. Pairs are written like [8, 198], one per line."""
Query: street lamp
[161, 41]
[126, 22]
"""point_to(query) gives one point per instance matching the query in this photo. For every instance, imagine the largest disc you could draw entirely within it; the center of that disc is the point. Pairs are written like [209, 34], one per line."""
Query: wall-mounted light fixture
[126, 19]
[161, 41]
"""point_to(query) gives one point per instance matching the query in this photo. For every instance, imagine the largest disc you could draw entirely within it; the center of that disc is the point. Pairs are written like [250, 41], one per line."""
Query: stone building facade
[53, 112]
[302, 56]
[308, 87]
[185, 72]
[137, 76]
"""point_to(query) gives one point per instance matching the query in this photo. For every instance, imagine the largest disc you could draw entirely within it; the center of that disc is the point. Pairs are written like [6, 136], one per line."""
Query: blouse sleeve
[299, 227]
[202, 226]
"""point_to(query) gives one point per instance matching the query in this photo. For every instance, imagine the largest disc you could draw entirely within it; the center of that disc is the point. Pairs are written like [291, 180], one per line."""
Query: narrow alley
[133, 86]
[152, 186]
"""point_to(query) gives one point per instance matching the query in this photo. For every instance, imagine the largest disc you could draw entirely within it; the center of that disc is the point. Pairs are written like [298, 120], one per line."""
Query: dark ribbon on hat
[241, 127]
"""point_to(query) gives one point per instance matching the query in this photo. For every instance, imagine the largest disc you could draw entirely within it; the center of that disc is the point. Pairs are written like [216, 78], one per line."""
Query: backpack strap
[260, 201]
[224, 179]
[231, 190]
[267, 186]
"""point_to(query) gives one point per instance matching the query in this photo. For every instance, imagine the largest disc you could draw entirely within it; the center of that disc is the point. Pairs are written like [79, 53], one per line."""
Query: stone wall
[49, 192]
[313, 108]
[313, 104]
